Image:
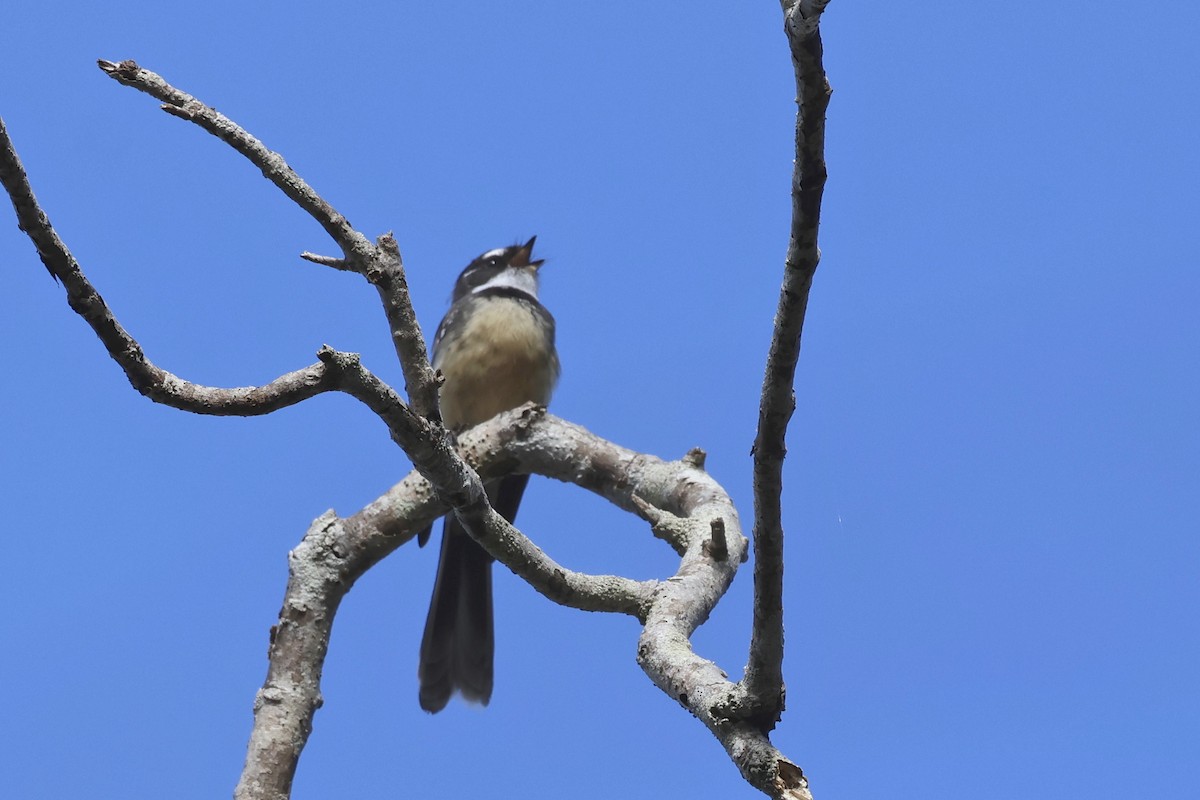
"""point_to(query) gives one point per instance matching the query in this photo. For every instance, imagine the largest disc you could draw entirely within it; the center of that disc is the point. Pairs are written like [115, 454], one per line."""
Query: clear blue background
[991, 498]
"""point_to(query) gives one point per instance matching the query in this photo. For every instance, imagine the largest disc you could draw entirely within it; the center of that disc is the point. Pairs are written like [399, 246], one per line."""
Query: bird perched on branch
[495, 350]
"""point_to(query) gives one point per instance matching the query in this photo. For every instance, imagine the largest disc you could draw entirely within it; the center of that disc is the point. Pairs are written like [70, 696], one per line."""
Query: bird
[495, 351]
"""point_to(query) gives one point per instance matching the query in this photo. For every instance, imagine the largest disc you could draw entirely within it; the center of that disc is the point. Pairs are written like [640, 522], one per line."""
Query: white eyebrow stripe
[499, 251]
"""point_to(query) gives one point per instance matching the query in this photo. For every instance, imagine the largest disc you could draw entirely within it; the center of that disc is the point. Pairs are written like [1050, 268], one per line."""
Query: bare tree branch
[673, 530]
[803, 16]
[386, 274]
[677, 491]
[274, 168]
[379, 263]
[336, 552]
[763, 681]
[150, 380]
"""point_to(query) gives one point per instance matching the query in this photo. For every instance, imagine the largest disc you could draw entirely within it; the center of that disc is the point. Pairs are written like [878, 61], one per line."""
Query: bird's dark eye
[494, 261]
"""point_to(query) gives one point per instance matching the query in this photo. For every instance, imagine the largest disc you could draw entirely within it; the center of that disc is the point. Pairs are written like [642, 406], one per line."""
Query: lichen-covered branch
[763, 681]
[679, 494]
[336, 552]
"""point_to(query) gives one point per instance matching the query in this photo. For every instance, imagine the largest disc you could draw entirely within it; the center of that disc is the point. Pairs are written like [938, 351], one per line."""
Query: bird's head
[511, 267]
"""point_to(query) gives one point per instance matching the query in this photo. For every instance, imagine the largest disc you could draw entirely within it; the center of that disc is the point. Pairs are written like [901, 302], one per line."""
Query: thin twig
[274, 168]
[328, 261]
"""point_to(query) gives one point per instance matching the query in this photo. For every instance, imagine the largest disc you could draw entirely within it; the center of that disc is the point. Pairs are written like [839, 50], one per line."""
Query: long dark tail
[459, 643]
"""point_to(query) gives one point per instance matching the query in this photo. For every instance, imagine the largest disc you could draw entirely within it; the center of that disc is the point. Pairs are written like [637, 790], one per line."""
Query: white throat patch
[523, 279]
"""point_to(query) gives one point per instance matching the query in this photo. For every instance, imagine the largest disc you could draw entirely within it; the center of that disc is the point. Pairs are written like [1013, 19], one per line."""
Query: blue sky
[992, 494]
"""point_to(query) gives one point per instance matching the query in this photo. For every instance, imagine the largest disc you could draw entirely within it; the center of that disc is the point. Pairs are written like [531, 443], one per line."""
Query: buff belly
[501, 358]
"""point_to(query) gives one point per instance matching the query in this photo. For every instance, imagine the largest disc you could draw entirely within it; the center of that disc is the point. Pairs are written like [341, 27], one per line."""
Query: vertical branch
[386, 274]
[763, 682]
[290, 696]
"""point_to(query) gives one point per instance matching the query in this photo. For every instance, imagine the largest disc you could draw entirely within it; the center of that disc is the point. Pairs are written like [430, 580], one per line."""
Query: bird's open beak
[521, 258]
